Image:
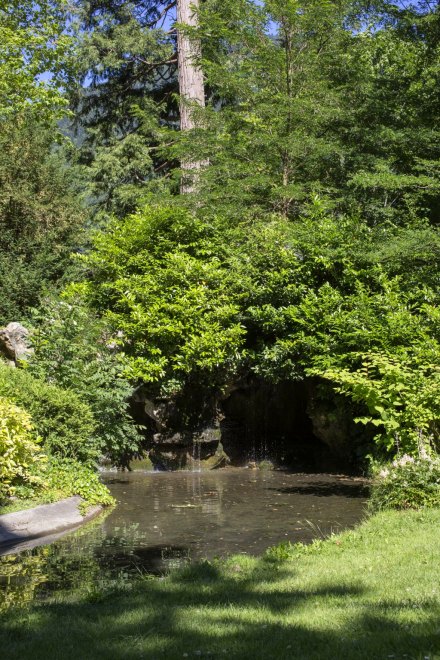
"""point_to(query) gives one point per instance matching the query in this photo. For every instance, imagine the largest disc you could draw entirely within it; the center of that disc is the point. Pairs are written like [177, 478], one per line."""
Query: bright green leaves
[60, 418]
[20, 452]
[402, 395]
[160, 282]
[33, 52]
[203, 299]
[196, 300]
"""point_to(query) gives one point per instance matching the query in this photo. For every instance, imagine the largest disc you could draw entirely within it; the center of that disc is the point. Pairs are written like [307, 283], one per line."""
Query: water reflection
[166, 519]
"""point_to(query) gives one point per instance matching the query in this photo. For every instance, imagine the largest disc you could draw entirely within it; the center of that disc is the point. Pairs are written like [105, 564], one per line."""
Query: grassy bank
[12, 506]
[370, 593]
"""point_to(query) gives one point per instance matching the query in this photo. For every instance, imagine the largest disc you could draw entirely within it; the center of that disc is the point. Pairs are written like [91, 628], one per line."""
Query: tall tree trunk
[191, 86]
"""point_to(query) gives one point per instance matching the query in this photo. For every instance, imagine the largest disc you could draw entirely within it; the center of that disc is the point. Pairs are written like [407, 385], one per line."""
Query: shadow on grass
[207, 611]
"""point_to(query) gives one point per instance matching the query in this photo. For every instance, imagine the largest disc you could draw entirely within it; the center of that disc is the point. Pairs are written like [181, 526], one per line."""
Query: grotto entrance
[274, 422]
[301, 425]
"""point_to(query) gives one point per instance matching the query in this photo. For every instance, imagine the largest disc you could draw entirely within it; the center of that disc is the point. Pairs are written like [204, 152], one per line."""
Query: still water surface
[163, 520]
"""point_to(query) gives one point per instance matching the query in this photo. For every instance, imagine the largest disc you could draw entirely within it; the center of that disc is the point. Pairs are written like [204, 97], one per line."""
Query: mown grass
[370, 593]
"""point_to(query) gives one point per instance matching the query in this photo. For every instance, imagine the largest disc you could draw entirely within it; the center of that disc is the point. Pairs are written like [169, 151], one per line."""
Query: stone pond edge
[42, 524]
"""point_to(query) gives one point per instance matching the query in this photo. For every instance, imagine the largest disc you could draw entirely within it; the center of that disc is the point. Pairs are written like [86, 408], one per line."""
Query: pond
[164, 520]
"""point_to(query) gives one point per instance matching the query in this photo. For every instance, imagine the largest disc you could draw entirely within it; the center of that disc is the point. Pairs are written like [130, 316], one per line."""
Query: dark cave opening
[300, 425]
[274, 422]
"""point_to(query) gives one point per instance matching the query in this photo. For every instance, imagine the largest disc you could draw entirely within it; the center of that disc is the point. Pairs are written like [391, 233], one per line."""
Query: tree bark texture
[191, 87]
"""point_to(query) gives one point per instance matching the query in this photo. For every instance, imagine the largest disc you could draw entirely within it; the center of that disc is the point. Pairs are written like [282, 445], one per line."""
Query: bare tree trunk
[191, 86]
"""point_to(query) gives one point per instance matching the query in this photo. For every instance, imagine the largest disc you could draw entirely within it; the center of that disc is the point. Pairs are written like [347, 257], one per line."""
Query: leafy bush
[402, 396]
[20, 452]
[66, 477]
[74, 350]
[205, 300]
[159, 280]
[64, 422]
[407, 483]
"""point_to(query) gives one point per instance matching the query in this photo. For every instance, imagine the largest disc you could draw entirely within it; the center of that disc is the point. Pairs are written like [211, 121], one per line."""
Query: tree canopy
[34, 51]
[307, 247]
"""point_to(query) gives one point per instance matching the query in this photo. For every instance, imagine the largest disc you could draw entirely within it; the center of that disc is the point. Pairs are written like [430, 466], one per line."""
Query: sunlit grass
[12, 506]
[369, 593]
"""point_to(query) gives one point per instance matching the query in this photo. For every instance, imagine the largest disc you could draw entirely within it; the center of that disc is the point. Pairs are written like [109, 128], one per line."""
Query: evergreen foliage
[41, 217]
[124, 93]
[317, 98]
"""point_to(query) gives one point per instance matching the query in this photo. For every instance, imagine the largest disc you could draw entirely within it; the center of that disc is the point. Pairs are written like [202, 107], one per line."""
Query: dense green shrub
[195, 296]
[66, 477]
[407, 483]
[64, 422]
[402, 395]
[75, 350]
[20, 452]
[159, 279]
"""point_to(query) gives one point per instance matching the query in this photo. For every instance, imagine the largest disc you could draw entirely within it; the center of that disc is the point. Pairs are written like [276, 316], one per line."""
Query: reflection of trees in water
[81, 563]
[86, 563]
[173, 517]
[37, 573]
[19, 580]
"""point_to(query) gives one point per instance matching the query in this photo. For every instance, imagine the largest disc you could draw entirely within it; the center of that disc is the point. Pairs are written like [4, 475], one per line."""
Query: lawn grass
[12, 506]
[370, 593]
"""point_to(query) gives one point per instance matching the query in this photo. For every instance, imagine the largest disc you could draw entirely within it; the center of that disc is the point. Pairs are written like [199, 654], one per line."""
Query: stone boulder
[188, 451]
[181, 432]
[14, 342]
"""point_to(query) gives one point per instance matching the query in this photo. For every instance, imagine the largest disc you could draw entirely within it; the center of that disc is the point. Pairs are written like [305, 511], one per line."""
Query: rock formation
[14, 343]
[302, 425]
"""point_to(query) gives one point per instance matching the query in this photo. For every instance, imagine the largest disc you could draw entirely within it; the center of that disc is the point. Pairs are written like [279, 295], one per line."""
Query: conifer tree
[41, 217]
[124, 94]
[317, 98]
[269, 126]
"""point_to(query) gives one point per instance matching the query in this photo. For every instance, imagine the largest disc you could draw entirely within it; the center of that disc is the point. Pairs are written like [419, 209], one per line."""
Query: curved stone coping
[43, 524]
